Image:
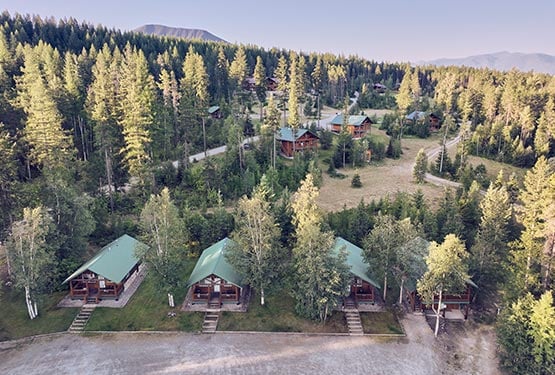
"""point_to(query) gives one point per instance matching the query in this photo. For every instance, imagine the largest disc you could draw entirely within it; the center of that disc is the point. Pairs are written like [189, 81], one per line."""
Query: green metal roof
[355, 260]
[114, 261]
[213, 262]
[353, 120]
[213, 109]
[286, 134]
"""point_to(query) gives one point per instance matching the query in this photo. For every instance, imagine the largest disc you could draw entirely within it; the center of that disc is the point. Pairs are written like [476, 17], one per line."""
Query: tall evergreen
[136, 101]
[50, 146]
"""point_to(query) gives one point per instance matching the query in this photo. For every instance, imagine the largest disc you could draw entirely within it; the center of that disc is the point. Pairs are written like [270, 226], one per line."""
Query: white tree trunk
[170, 300]
[401, 292]
[31, 310]
[262, 296]
[385, 287]
[438, 312]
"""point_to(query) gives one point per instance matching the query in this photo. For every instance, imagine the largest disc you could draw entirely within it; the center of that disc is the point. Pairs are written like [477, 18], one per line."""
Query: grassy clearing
[278, 315]
[379, 180]
[380, 323]
[15, 322]
[494, 167]
[147, 310]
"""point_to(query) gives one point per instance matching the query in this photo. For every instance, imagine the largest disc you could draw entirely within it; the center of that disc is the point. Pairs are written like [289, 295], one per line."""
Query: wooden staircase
[353, 317]
[210, 322]
[80, 321]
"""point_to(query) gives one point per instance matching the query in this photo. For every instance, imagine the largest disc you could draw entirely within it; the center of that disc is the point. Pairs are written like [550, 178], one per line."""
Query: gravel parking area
[227, 353]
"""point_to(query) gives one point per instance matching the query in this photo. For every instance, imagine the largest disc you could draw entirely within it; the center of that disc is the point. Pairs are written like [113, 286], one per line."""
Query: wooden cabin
[272, 83]
[451, 302]
[215, 112]
[290, 144]
[214, 281]
[104, 275]
[419, 116]
[414, 117]
[363, 287]
[358, 126]
[434, 123]
[379, 88]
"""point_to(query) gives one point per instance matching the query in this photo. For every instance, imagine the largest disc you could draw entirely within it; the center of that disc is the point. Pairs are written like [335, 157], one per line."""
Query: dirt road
[184, 353]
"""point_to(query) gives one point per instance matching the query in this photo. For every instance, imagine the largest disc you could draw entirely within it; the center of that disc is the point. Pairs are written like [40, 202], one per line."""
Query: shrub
[355, 182]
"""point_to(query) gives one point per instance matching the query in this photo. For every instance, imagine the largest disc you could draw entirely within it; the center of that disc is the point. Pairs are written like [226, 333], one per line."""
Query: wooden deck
[214, 303]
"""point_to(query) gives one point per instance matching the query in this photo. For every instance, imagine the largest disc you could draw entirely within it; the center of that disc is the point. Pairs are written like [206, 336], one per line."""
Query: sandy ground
[183, 353]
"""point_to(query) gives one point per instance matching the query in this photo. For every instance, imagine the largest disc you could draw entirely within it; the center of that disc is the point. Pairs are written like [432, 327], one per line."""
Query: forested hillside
[91, 120]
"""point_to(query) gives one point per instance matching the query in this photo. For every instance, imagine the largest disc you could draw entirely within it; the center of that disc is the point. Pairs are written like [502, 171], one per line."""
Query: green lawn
[147, 310]
[278, 315]
[380, 323]
[15, 322]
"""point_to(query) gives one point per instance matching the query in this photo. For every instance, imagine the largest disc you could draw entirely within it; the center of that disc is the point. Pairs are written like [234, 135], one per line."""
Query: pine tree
[100, 106]
[221, 75]
[260, 83]
[50, 147]
[238, 69]
[137, 105]
[528, 259]
[420, 167]
[293, 120]
[8, 178]
[404, 97]
[271, 125]
[283, 84]
[490, 247]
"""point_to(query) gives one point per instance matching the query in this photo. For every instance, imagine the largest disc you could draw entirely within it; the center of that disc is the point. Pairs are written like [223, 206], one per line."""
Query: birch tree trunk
[262, 296]
[385, 286]
[438, 312]
[31, 307]
[401, 291]
[170, 300]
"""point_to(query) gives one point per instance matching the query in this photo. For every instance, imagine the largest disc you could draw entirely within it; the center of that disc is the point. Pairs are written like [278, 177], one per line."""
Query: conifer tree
[101, 108]
[238, 68]
[260, 83]
[221, 75]
[420, 167]
[283, 84]
[137, 106]
[490, 247]
[50, 146]
[528, 257]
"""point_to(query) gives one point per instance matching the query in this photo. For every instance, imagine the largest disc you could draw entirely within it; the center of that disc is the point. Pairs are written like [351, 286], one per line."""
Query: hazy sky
[390, 30]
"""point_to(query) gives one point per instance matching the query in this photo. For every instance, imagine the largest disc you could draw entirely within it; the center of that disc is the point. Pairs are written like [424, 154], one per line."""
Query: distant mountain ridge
[178, 32]
[504, 61]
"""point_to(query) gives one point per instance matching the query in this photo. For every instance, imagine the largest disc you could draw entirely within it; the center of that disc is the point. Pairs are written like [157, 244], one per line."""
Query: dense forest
[94, 122]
